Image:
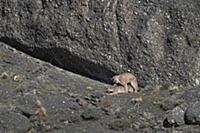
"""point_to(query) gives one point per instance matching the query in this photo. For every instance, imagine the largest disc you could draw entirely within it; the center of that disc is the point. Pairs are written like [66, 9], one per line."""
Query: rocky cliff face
[157, 40]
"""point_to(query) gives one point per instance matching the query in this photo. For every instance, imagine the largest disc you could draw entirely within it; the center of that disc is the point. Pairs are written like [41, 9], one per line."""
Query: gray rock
[160, 131]
[97, 95]
[26, 104]
[74, 118]
[192, 114]
[157, 40]
[58, 90]
[74, 105]
[82, 102]
[90, 114]
[120, 124]
[192, 95]
[169, 103]
[174, 118]
[13, 122]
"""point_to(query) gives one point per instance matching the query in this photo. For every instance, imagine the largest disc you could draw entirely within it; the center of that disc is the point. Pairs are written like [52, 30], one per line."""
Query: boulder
[192, 95]
[13, 122]
[174, 118]
[192, 114]
[156, 40]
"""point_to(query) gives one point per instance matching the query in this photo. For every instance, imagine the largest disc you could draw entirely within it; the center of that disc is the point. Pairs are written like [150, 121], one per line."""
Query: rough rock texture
[13, 122]
[174, 118]
[169, 103]
[36, 97]
[192, 114]
[157, 40]
[192, 95]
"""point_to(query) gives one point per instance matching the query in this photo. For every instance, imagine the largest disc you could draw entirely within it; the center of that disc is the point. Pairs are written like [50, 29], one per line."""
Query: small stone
[90, 88]
[197, 82]
[120, 124]
[90, 114]
[73, 95]
[174, 118]
[82, 102]
[97, 95]
[192, 114]
[4, 75]
[137, 100]
[169, 103]
[18, 78]
[148, 115]
[105, 104]
[169, 87]
[73, 105]
[74, 118]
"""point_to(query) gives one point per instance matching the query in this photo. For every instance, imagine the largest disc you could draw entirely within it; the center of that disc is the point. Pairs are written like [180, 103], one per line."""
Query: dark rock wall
[157, 40]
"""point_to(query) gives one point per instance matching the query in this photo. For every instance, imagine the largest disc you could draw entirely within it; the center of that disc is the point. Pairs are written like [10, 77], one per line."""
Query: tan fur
[118, 89]
[124, 79]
